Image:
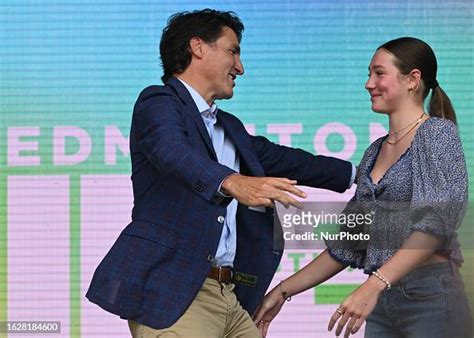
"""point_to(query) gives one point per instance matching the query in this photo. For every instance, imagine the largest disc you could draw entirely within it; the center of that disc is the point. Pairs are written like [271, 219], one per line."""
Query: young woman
[414, 288]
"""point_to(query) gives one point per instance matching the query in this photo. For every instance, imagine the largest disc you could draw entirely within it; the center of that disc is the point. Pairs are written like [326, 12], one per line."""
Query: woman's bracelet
[284, 294]
[377, 274]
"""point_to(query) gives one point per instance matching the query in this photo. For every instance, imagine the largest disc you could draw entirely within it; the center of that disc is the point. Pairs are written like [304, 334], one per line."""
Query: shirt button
[220, 219]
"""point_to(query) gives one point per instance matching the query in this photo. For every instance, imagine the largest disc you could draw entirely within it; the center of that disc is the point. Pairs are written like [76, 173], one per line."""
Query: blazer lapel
[186, 98]
[241, 142]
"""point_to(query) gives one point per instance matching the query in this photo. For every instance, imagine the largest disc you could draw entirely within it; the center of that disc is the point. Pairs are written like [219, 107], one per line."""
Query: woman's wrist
[376, 283]
[284, 294]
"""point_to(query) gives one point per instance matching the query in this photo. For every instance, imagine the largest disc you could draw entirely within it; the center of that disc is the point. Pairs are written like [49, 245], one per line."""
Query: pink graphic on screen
[39, 250]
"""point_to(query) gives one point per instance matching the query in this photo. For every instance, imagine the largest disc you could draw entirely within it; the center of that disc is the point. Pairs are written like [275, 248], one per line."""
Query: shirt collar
[201, 104]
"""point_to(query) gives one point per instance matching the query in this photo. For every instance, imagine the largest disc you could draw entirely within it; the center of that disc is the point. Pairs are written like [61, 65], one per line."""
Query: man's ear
[414, 79]
[196, 47]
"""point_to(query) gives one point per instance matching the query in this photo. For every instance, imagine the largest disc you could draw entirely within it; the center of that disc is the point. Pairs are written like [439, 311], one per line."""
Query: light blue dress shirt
[228, 156]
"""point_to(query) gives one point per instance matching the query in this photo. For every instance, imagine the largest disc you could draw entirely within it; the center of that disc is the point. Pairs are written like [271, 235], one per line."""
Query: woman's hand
[357, 307]
[268, 309]
[319, 270]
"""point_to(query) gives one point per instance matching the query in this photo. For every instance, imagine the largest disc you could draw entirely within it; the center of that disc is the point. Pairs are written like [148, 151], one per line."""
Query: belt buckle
[219, 274]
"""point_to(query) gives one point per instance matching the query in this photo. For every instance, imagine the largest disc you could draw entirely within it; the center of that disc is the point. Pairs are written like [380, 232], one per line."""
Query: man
[203, 195]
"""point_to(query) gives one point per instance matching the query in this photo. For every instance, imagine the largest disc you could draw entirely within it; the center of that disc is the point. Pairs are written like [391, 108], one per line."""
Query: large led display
[70, 72]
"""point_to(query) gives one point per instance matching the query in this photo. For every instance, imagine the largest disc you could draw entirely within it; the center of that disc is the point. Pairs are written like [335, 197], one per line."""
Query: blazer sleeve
[440, 186]
[309, 170]
[161, 135]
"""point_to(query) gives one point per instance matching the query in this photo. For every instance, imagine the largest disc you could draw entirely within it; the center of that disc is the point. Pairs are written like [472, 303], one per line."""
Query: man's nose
[239, 67]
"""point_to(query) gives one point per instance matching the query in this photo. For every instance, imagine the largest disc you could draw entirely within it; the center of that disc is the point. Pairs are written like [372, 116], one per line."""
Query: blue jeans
[429, 302]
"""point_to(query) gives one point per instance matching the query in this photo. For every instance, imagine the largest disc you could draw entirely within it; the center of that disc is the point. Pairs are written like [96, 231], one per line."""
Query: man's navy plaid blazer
[160, 260]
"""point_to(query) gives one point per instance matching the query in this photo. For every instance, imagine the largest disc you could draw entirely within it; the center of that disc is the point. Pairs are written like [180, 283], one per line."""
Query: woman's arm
[418, 248]
[356, 307]
[319, 270]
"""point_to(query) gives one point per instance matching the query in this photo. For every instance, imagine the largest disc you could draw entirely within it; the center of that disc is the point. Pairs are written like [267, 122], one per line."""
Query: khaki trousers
[214, 313]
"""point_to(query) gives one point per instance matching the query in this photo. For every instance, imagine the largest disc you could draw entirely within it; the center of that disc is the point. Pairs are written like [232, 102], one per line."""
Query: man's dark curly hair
[206, 24]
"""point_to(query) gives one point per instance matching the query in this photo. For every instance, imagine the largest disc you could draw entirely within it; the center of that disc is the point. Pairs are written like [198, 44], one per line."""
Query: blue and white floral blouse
[425, 190]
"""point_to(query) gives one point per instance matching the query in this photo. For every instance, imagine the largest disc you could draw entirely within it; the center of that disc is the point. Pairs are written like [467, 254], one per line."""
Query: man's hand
[262, 191]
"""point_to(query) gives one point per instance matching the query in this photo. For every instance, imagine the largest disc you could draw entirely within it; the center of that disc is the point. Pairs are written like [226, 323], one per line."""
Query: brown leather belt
[221, 274]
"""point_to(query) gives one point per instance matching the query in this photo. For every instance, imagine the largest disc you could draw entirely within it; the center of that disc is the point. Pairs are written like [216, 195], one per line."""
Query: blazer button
[210, 258]
[220, 219]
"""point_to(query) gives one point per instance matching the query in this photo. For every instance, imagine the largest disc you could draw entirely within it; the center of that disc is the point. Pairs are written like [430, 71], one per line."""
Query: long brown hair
[411, 53]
